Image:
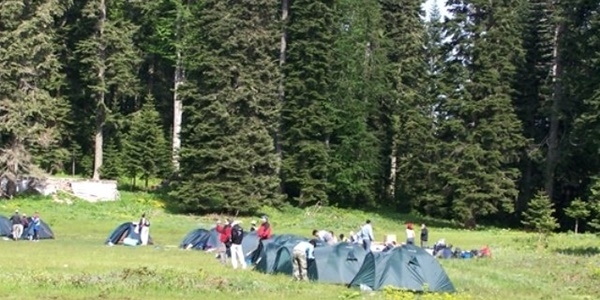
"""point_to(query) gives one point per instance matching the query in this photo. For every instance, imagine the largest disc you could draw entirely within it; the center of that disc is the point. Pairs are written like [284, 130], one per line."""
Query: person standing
[144, 229]
[237, 254]
[17, 226]
[366, 235]
[36, 223]
[264, 231]
[25, 222]
[303, 253]
[225, 238]
[424, 236]
[410, 234]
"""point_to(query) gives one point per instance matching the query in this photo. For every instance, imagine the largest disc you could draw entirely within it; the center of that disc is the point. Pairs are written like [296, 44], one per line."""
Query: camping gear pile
[406, 267]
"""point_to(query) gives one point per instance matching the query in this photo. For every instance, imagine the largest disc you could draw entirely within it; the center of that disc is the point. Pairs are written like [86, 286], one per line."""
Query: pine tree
[577, 210]
[146, 149]
[31, 108]
[355, 161]
[594, 204]
[538, 215]
[228, 161]
[410, 127]
[481, 133]
[308, 111]
[109, 60]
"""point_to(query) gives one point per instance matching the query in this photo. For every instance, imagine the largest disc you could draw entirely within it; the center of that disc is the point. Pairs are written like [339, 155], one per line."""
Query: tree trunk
[553, 149]
[393, 171]
[576, 226]
[178, 80]
[100, 101]
[283, 46]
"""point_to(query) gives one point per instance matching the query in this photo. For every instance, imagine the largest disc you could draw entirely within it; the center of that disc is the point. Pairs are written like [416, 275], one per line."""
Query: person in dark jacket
[237, 254]
[424, 236]
[17, 225]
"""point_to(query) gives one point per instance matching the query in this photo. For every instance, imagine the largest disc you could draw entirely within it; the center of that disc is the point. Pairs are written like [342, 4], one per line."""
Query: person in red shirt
[224, 231]
[264, 231]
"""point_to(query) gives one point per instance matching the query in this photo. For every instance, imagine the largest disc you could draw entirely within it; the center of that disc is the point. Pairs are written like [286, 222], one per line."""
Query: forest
[464, 115]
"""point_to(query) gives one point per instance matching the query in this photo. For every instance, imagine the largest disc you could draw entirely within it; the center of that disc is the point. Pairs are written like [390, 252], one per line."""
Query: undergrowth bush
[390, 293]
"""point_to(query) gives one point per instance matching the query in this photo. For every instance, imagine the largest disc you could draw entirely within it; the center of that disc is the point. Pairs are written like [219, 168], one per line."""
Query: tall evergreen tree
[410, 127]
[482, 133]
[228, 161]
[146, 151]
[308, 113]
[109, 60]
[355, 159]
[31, 106]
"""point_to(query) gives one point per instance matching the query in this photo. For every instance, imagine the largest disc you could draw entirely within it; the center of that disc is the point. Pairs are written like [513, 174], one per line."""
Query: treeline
[355, 103]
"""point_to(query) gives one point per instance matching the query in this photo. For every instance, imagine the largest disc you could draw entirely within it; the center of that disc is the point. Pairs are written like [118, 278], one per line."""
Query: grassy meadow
[77, 265]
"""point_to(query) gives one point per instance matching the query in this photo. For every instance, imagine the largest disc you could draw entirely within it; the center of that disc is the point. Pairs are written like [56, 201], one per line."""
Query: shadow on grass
[579, 251]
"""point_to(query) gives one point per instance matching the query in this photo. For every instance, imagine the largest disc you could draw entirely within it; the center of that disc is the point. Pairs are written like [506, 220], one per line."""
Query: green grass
[78, 266]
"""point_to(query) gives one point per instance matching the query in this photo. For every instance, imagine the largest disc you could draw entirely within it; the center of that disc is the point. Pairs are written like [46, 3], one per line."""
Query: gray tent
[267, 251]
[337, 263]
[407, 267]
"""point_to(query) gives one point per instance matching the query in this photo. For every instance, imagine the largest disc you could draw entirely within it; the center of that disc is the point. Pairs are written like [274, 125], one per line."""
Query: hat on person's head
[264, 218]
[16, 210]
[253, 222]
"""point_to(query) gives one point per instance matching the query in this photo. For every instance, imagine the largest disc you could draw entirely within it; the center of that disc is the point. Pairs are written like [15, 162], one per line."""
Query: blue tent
[5, 226]
[123, 231]
[201, 239]
[266, 254]
[407, 267]
[44, 233]
[250, 243]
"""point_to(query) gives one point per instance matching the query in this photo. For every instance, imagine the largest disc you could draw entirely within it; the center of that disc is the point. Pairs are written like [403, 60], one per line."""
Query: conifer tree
[577, 210]
[481, 133]
[410, 126]
[31, 107]
[539, 215]
[355, 161]
[146, 149]
[109, 60]
[308, 112]
[231, 106]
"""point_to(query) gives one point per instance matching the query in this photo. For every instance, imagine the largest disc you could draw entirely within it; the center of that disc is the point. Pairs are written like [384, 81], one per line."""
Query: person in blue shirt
[303, 253]
[366, 235]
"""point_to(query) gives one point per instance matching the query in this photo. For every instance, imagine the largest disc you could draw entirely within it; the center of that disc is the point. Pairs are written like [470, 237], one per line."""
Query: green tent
[407, 267]
[267, 252]
[337, 264]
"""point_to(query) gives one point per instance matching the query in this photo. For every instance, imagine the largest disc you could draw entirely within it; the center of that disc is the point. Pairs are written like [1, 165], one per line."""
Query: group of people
[365, 236]
[21, 224]
[231, 235]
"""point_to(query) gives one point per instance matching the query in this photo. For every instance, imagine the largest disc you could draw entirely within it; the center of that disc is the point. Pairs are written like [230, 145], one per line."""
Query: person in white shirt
[366, 235]
[302, 253]
[410, 234]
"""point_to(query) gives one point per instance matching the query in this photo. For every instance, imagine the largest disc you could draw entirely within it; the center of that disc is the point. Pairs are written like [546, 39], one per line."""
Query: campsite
[78, 265]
